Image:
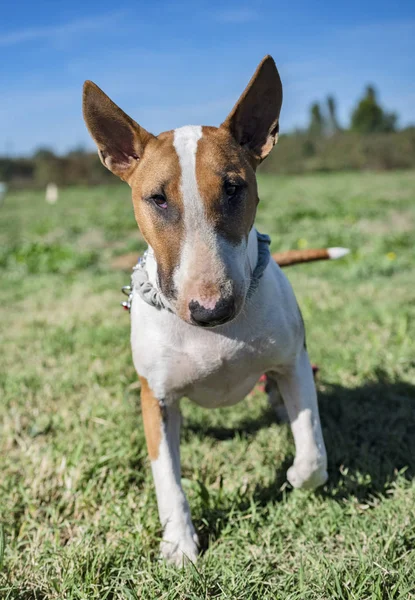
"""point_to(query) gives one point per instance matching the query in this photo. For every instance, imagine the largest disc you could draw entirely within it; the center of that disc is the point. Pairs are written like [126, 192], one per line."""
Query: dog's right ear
[253, 121]
[120, 140]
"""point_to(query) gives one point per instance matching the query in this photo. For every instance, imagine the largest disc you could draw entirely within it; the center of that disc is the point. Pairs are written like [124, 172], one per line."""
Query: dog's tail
[295, 257]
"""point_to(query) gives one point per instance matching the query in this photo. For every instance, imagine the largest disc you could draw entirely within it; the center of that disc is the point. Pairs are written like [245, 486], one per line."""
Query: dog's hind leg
[162, 430]
[296, 385]
[275, 399]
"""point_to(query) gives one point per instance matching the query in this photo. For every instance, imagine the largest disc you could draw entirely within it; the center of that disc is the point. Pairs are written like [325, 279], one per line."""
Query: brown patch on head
[150, 165]
[220, 162]
[158, 173]
[152, 419]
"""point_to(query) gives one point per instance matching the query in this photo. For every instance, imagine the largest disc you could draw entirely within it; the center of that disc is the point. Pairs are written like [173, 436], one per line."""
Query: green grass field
[77, 503]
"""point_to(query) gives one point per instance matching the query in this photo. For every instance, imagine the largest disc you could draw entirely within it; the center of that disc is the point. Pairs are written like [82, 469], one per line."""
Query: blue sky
[175, 63]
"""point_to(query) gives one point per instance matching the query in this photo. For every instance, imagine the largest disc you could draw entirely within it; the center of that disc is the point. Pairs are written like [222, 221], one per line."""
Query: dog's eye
[159, 200]
[230, 189]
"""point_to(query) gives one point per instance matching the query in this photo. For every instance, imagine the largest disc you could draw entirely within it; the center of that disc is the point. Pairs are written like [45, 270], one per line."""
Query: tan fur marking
[219, 157]
[159, 172]
[152, 419]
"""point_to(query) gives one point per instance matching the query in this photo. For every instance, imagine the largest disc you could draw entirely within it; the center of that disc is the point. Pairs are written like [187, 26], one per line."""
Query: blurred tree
[317, 121]
[369, 116]
[44, 153]
[333, 124]
[47, 166]
[309, 148]
[16, 169]
[78, 151]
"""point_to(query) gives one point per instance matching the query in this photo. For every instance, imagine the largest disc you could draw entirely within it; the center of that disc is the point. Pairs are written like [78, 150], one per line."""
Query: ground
[77, 503]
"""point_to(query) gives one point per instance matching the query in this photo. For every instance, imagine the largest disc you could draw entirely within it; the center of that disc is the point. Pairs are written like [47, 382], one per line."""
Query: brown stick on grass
[295, 257]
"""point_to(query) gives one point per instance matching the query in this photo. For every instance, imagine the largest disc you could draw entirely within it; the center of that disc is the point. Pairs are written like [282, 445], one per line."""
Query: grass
[77, 504]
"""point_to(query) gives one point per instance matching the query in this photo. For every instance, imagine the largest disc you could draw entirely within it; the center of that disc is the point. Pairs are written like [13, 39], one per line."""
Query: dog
[209, 314]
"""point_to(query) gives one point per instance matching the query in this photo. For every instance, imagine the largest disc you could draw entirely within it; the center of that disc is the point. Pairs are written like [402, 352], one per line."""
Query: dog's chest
[218, 373]
[211, 368]
[217, 367]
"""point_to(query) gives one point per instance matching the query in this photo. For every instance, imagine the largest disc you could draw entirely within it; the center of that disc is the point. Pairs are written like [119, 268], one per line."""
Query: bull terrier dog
[209, 312]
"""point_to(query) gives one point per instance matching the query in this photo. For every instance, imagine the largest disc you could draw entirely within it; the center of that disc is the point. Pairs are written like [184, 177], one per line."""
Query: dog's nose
[206, 317]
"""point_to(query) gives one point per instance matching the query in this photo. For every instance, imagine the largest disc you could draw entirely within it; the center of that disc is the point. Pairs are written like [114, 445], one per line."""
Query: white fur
[185, 143]
[197, 230]
[297, 388]
[180, 541]
[337, 252]
[218, 367]
[204, 253]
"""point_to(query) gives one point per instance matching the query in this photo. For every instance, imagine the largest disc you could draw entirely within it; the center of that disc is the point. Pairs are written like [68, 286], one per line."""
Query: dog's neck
[251, 259]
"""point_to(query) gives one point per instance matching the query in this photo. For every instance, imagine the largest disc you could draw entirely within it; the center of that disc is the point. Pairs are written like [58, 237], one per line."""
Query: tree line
[371, 141]
[367, 117]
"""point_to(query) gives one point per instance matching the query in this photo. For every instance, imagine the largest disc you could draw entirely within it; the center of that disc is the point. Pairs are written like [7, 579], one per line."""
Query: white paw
[307, 474]
[180, 545]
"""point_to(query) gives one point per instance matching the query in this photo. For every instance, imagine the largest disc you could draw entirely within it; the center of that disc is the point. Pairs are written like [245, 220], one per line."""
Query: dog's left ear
[120, 140]
[253, 121]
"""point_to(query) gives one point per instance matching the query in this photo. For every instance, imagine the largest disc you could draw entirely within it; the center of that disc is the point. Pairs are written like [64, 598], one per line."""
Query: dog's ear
[253, 121]
[120, 140]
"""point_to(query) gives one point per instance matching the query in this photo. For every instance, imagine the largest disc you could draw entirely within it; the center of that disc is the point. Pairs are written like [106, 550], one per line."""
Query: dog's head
[194, 193]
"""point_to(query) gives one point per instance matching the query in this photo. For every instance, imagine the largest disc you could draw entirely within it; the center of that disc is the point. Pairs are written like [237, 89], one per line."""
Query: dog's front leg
[297, 388]
[162, 430]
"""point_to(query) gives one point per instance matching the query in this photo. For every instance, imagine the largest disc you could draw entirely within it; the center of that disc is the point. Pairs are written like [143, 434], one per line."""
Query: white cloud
[55, 31]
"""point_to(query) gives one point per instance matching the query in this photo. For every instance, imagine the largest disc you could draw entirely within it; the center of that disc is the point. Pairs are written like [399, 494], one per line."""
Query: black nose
[205, 317]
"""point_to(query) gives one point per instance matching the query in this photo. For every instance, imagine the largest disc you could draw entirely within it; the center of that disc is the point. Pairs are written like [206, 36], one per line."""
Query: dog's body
[217, 367]
[195, 198]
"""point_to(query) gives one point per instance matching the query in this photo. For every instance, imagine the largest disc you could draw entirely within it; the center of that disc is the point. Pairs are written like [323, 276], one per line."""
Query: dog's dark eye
[159, 200]
[230, 189]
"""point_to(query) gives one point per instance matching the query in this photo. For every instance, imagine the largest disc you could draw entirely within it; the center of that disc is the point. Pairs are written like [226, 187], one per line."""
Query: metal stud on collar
[128, 291]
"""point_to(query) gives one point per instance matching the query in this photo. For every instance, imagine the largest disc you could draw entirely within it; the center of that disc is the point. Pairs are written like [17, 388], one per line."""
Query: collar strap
[264, 255]
[150, 294]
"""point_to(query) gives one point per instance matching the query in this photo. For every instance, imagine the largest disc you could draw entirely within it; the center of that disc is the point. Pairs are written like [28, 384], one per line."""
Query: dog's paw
[307, 474]
[180, 545]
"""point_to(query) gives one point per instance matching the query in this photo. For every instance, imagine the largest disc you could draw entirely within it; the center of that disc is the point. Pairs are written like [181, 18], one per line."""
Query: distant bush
[77, 167]
[344, 150]
[16, 170]
[330, 149]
